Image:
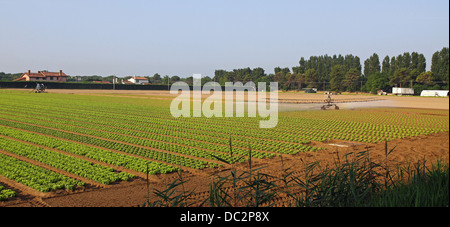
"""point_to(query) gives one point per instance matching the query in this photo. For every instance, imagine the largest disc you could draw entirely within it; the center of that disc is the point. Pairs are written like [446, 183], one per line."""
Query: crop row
[135, 150]
[6, 193]
[366, 132]
[95, 172]
[106, 156]
[35, 177]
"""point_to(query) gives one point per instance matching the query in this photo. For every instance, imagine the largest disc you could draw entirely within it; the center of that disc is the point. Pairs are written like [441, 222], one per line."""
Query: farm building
[435, 93]
[138, 80]
[402, 91]
[126, 82]
[43, 76]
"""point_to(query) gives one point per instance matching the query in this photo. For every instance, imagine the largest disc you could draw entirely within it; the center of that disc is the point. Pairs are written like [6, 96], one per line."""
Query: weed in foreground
[355, 180]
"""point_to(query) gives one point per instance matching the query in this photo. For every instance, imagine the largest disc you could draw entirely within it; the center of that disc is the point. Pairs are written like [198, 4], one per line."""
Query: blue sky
[175, 37]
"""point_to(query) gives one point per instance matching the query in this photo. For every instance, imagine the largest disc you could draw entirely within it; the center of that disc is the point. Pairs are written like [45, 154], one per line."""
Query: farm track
[38, 202]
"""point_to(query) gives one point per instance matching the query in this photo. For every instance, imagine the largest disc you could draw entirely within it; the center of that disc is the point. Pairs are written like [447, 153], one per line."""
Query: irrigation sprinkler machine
[329, 102]
[40, 88]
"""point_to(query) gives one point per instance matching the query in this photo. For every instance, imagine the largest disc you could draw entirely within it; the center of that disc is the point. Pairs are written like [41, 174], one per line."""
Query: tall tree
[311, 78]
[378, 81]
[440, 66]
[386, 66]
[357, 64]
[337, 76]
[156, 79]
[219, 74]
[302, 68]
[372, 65]
[426, 78]
[422, 64]
[400, 77]
[407, 60]
[444, 69]
[300, 79]
[290, 80]
[394, 66]
[414, 61]
[351, 78]
[279, 77]
[257, 73]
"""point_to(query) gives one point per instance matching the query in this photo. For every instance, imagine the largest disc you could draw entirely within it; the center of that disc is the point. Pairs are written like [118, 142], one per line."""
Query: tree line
[345, 73]
[9, 76]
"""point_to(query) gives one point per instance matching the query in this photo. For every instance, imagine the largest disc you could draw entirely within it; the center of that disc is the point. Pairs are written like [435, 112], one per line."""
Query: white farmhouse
[138, 80]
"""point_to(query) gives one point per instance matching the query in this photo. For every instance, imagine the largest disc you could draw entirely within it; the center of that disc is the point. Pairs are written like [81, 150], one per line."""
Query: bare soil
[135, 192]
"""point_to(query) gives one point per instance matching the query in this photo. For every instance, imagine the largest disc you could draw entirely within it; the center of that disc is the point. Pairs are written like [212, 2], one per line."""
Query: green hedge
[56, 85]
[93, 86]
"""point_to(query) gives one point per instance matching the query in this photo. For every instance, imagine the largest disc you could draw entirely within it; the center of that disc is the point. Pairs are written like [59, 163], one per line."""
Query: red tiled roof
[40, 74]
[47, 74]
[141, 78]
[20, 79]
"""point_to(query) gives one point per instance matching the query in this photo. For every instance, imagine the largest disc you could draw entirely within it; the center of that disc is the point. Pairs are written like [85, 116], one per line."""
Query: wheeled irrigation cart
[329, 102]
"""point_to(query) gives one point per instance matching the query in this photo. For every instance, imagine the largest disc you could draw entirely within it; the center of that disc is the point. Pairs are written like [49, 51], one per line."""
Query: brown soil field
[135, 192]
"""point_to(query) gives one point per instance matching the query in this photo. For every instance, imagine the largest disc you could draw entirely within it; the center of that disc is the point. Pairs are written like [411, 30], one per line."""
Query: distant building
[434, 93]
[402, 91]
[138, 80]
[126, 82]
[43, 76]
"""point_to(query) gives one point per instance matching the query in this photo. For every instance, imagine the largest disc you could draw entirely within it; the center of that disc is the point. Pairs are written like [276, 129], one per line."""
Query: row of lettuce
[6, 193]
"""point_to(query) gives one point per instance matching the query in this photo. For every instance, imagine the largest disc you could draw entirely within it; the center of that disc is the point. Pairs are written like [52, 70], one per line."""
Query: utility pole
[114, 82]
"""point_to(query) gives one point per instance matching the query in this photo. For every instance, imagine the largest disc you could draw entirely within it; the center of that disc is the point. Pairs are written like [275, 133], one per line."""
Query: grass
[355, 180]
[424, 188]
